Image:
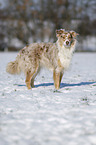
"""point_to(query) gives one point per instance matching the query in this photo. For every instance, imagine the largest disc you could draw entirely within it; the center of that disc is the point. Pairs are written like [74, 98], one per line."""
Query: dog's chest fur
[65, 56]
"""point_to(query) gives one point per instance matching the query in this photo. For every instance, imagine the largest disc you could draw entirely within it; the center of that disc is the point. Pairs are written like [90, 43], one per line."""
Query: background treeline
[27, 21]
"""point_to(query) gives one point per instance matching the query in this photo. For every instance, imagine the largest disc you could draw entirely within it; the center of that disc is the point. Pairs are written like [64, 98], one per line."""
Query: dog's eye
[70, 37]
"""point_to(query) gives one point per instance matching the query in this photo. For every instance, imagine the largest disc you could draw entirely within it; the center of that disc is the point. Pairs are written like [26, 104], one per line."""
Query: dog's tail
[13, 67]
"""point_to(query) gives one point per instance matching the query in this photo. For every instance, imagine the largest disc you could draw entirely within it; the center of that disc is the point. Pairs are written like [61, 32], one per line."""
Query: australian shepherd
[55, 56]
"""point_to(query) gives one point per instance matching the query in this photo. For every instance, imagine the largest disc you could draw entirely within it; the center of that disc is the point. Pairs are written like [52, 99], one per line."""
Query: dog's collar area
[67, 46]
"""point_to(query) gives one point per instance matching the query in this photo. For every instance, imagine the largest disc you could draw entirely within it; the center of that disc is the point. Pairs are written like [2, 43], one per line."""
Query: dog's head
[66, 38]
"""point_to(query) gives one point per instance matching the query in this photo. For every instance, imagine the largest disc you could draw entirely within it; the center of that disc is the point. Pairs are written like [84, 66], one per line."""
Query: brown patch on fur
[46, 47]
[41, 49]
[73, 33]
[69, 36]
[27, 45]
[59, 32]
[73, 42]
[23, 50]
[38, 52]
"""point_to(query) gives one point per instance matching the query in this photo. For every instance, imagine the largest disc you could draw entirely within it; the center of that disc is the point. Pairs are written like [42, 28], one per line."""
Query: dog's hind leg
[30, 78]
[29, 75]
[32, 82]
[33, 78]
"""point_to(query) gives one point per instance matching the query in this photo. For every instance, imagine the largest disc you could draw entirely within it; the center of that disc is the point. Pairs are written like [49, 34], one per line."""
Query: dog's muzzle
[67, 43]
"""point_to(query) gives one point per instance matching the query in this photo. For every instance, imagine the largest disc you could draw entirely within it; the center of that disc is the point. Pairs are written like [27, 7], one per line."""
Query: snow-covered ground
[44, 116]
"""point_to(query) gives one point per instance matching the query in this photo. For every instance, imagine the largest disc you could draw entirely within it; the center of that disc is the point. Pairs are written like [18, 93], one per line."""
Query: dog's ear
[59, 32]
[73, 33]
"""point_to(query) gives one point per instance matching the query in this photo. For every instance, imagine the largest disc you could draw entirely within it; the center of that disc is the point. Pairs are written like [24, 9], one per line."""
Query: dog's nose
[67, 42]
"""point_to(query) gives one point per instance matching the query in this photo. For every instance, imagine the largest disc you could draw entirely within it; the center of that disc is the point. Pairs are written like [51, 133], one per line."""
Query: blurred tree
[37, 20]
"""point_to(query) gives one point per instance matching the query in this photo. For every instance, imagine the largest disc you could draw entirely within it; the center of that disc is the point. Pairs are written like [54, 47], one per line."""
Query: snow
[44, 116]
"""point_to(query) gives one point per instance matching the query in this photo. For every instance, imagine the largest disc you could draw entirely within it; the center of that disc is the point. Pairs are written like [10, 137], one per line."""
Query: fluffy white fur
[65, 55]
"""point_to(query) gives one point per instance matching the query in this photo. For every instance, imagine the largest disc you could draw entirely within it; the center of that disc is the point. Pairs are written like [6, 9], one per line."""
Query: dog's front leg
[56, 77]
[61, 75]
